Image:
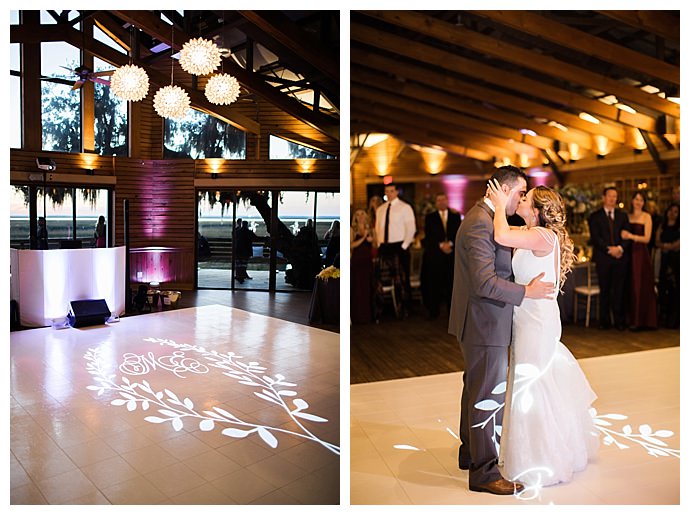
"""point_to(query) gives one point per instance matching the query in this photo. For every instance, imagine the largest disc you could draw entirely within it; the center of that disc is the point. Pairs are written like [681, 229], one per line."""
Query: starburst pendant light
[171, 102]
[222, 89]
[199, 56]
[130, 82]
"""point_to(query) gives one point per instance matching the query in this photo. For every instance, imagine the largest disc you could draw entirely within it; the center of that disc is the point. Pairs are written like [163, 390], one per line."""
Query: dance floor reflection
[404, 438]
[208, 405]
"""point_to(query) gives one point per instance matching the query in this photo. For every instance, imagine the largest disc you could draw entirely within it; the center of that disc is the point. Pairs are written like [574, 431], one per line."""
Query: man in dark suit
[440, 228]
[481, 318]
[610, 255]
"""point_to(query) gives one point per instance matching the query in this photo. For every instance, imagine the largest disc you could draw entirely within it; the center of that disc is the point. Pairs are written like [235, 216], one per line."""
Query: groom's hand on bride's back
[538, 289]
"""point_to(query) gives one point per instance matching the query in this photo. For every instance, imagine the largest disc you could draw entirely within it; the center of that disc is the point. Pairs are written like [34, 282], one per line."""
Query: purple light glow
[538, 177]
[454, 186]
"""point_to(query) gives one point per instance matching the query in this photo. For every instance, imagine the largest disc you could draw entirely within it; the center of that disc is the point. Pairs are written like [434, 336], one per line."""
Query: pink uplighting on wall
[454, 186]
[538, 177]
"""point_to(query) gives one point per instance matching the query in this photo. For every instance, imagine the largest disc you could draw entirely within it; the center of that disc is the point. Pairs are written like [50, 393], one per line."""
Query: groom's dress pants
[485, 368]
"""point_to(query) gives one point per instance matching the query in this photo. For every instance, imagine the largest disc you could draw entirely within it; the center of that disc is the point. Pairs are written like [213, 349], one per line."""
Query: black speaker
[83, 313]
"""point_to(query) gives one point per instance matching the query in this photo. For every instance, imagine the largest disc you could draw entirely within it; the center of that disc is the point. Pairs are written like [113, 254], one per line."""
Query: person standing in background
[668, 242]
[99, 233]
[611, 256]
[42, 234]
[642, 312]
[440, 228]
[395, 230]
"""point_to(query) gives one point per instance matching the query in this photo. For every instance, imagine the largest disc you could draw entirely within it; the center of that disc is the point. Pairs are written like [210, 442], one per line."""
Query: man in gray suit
[481, 318]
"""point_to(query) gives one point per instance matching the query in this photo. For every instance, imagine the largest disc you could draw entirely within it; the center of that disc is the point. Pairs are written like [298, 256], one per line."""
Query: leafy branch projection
[273, 390]
[527, 374]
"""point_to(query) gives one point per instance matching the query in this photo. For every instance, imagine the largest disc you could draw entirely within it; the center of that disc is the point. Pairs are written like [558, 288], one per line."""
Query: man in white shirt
[395, 230]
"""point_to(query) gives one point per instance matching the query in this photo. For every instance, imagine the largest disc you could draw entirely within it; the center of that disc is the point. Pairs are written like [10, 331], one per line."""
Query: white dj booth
[43, 282]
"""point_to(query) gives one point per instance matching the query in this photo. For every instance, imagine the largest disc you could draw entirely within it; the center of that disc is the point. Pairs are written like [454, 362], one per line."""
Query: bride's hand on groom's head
[495, 193]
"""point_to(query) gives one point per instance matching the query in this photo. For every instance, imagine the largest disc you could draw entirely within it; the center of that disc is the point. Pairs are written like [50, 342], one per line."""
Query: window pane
[58, 213]
[280, 148]
[214, 238]
[253, 243]
[302, 256]
[61, 106]
[47, 19]
[328, 226]
[14, 17]
[199, 136]
[101, 36]
[15, 61]
[19, 217]
[58, 59]
[15, 113]
[91, 203]
[110, 118]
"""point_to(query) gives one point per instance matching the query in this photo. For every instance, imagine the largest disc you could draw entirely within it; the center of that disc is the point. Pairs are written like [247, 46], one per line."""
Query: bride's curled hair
[552, 216]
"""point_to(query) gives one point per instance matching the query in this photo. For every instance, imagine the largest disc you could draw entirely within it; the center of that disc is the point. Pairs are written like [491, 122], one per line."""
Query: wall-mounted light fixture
[214, 175]
[89, 171]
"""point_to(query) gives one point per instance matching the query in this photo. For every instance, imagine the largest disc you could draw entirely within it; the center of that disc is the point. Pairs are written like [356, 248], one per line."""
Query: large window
[15, 97]
[60, 104]
[279, 148]
[199, 136]
[110, 115]
[238, 249]
[71, 214]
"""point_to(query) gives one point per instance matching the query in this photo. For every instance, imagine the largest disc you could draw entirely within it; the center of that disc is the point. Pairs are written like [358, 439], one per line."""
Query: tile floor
[80, 399]
[404, 443]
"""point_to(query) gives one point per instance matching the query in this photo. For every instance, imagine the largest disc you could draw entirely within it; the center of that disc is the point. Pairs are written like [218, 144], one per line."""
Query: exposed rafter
[174, 37]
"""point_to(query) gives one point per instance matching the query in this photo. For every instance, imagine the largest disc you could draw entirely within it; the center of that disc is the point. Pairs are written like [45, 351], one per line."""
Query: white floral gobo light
[130, 83]
[222, 89]
[199, 56]
[171, 102]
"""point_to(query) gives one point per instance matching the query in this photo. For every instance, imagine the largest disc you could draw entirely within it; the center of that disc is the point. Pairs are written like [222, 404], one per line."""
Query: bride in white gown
[548, 432]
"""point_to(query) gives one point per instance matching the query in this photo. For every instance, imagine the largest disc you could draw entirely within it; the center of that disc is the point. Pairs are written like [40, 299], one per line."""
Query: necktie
[610, 217]
[388, 217]
[444, 214]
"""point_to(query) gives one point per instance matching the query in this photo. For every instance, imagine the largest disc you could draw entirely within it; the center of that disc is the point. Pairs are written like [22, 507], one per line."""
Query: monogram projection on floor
[178, 410]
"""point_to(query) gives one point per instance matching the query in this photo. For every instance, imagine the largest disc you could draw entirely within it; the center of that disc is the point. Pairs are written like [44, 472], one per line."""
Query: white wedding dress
[548, 432]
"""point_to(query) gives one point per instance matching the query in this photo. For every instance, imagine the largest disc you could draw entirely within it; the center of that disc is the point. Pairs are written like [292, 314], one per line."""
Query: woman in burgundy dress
[362, 242]
[642, 310]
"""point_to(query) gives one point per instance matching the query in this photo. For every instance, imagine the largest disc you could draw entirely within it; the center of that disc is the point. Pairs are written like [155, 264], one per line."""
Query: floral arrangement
[329, 273]
[580, 200]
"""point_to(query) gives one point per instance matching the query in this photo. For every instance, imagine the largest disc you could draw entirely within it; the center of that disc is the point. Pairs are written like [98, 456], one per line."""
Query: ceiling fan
[85, 73]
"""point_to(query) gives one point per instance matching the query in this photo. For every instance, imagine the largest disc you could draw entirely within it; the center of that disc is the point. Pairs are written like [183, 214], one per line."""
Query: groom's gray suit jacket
[483, 291]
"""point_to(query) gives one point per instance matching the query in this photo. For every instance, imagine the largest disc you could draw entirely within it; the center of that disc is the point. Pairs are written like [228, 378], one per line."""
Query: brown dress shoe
[499, 487]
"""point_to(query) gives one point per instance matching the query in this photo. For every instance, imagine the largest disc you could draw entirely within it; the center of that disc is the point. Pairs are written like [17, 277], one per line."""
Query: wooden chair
[589, 290]
[416, 273]
[388, 285]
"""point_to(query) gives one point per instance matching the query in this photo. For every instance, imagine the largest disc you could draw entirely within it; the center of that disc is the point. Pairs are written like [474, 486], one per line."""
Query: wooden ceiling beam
[154, 26]
[454, 133]
[410, 137]
[562, 70]
[420, 105]
[280, 28]
[535, 24]
[295, 62]
[28, 34]
[457, 103]
[197, 98]
[411, 133]
[453, 62]
[661, 23]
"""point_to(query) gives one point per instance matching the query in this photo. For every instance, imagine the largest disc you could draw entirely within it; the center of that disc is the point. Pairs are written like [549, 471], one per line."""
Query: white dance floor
[208, 405]
[404, 444]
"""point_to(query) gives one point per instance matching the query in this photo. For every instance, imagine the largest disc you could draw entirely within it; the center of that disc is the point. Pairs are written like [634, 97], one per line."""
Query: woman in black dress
[362, 243]
[668, 242]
